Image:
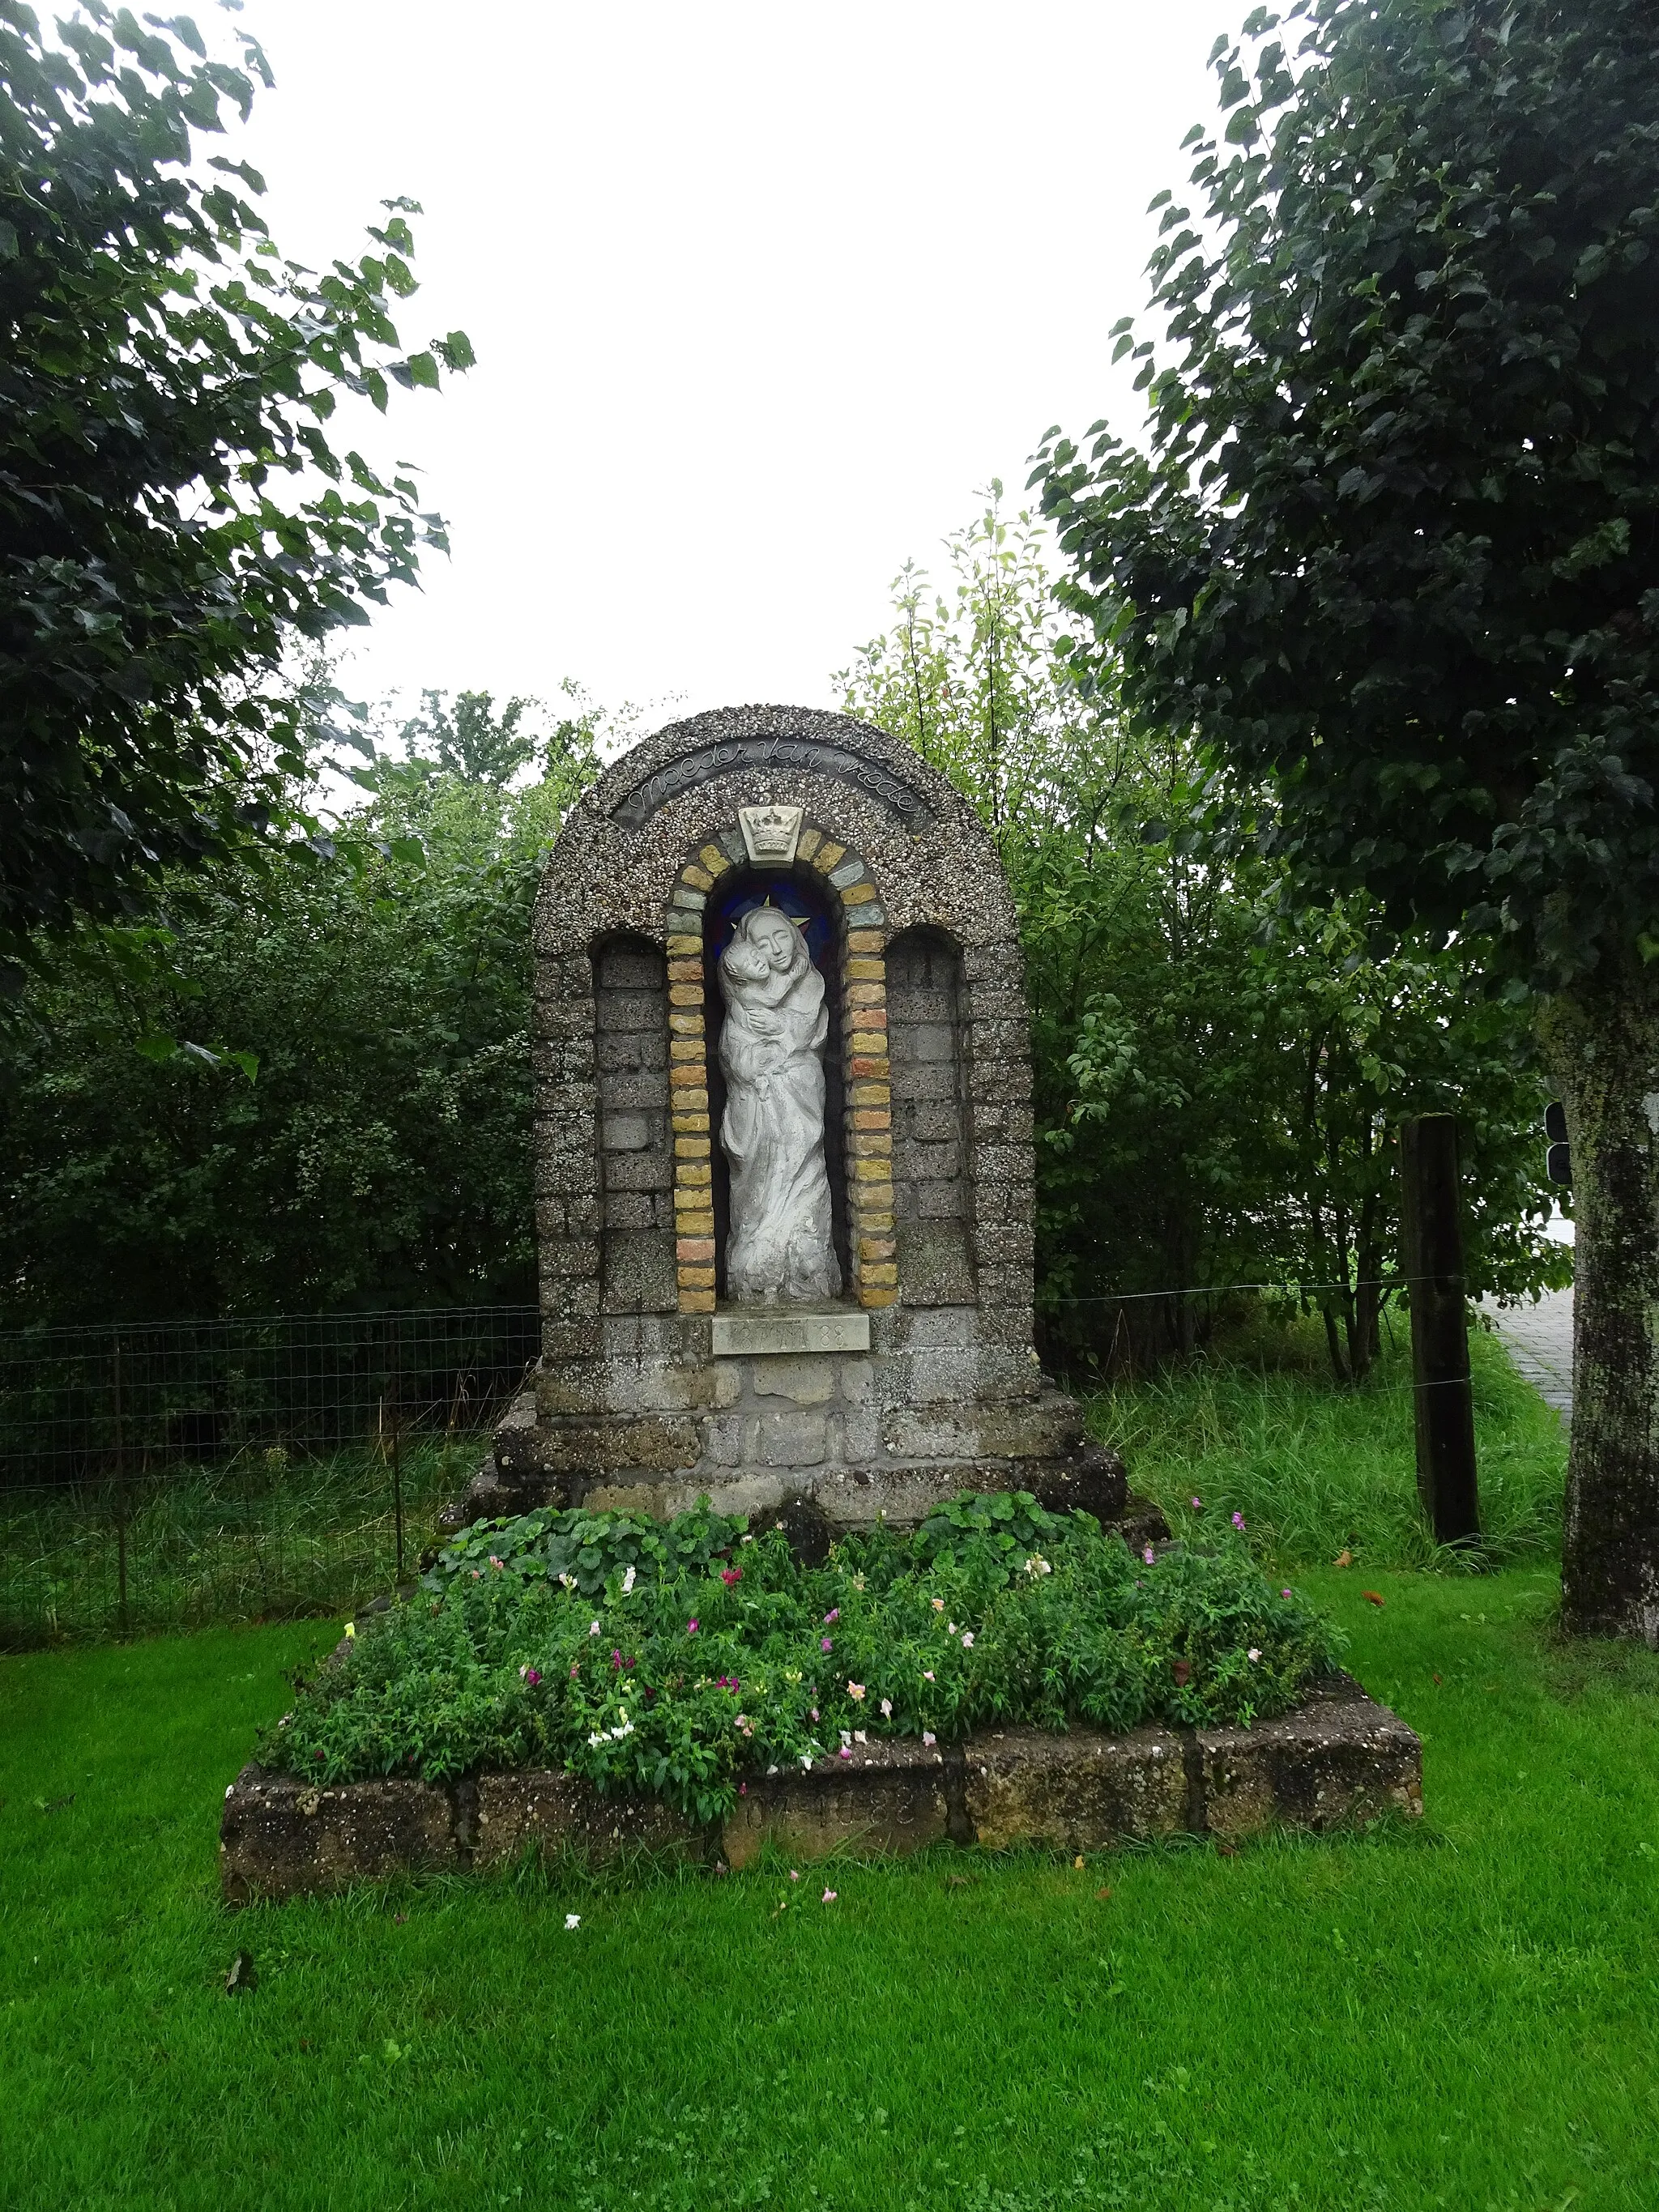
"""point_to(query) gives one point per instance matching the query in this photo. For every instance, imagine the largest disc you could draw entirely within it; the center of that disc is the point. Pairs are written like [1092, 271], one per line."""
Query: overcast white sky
[762, 295]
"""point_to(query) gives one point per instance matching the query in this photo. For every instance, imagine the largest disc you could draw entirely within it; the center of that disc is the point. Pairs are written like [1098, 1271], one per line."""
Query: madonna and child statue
[780, 1249]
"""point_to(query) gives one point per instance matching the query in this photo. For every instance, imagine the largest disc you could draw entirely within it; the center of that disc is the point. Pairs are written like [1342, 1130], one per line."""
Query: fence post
[120, 1498]
[1431, 1237]
[398, 1486]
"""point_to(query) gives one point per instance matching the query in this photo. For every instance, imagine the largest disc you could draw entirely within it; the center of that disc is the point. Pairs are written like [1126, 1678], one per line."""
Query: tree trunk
[1600, 1043]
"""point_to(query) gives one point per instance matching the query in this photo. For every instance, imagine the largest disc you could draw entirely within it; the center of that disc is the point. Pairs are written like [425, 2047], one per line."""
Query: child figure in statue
[772, 1053]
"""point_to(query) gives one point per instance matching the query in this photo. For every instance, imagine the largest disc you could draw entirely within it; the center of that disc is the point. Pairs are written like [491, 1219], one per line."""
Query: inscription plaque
[810, 754]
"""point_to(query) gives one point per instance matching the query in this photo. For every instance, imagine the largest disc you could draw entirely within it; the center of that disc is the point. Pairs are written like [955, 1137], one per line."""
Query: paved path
[1539, 1339]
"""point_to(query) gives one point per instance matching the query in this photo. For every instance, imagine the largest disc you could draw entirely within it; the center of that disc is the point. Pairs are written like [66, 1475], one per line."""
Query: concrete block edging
[1337, 1759]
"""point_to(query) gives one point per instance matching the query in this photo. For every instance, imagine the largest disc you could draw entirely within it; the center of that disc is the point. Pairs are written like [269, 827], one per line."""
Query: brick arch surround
[921, 1376]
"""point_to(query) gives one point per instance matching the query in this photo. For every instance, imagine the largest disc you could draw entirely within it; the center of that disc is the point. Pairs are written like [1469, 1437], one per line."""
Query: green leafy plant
[673, 1661]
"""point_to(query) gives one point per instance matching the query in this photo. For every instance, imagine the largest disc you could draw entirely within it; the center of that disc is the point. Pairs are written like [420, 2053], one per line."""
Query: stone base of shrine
[1339, 1760]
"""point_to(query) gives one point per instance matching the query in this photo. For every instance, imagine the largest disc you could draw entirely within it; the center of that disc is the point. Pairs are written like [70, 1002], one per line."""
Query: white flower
[573, 1920]
[595, 1739]
[594, 1630]
[1252, 1655]
[627, 1581]
[887, 1709]
[846, 1737]
[859, 1737]
[806, 1760]
[566, 1581]
[950, 1628]
[1036, 1565]
[967, 1640]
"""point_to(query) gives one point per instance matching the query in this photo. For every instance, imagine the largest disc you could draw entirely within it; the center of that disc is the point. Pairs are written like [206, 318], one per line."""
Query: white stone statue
[772, 1053]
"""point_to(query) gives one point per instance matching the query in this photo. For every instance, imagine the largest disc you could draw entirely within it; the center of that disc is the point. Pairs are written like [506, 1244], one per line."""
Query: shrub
[661, 1659]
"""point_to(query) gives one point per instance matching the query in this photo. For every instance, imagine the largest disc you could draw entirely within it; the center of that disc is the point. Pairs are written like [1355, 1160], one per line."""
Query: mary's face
[776, 939]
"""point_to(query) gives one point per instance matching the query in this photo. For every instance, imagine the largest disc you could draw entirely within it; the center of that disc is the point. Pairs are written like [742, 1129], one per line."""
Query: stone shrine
[783, 1145]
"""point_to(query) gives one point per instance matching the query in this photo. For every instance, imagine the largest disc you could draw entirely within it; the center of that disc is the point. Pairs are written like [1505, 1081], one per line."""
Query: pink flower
[927, 1673]
[855, 1691]
[477, 1574]
[742, 1789]
[1238, 1520]
[1285, 1593]
[574, 1670]
[967, 1640]
[794, 1874]
[928, 1737]
[846, 1751]
[1198, 1505]
[828, 1896]
[825, 1644]
[814, 1713]
[691, 1627]
[495, 1562]
[833, 1614]
[1148, 1555]
[730, 1574]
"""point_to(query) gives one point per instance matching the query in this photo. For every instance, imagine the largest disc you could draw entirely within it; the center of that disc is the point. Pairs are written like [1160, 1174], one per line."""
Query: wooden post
[1431, 1238]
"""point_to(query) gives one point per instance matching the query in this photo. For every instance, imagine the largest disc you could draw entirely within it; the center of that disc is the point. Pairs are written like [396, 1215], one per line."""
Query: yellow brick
[689, 1171]
[683, 1047]
[863, 970]
[686, 1024]
[871, 1144]
[872, 1117]
[691, 1125]
[699, 879]
[827, 856]
[864, 940]
[858, 895]
[808, 844]
[684, 948]
[690, 1102]
[685, 994]
[878, 1276]
[691, 1148]
[867, 1042]
[872, 1094]
[874, 1224]
[703, 1302]
[869, 1297]
[688, 1079]
[714, 859]
[877, 1247]
[696, 1278]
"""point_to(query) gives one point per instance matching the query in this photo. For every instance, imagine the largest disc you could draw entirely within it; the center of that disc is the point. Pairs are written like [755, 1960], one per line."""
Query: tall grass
[260, 1538]
[1258, 1429]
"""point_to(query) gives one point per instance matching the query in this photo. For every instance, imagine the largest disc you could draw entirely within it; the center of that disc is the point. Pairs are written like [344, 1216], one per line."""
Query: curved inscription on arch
[812, 755]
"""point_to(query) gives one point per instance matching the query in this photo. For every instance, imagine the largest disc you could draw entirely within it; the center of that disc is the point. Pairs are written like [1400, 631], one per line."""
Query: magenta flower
[834, 1614]
[825, 1644]
[691, 1627]
[1285, 1593]
[574, 1670]
[528, 1675]
[1198, 1505]
[730, 1574]
[1238, 1520]
[846, 1751]
[1148, 1555]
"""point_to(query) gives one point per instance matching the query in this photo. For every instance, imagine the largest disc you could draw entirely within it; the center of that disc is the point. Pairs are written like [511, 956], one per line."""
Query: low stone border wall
[1339, 1759]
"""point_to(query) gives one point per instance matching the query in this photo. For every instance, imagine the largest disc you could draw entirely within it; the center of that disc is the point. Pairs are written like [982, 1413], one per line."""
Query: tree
[1389, 553]
[1216, 1098]
[173, 513]
[378, 984]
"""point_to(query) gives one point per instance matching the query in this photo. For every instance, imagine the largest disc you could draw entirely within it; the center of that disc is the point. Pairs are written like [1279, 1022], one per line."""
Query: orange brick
[686, 1078]
[685, 971]
[867, 994]
[690, 1249]
[871, 1064]
[872, 1117]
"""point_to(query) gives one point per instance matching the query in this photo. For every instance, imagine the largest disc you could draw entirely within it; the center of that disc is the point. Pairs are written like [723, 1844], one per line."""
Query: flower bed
[671, 1660]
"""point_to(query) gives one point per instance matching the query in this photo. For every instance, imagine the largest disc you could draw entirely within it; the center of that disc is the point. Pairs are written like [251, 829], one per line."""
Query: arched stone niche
[652, 1386]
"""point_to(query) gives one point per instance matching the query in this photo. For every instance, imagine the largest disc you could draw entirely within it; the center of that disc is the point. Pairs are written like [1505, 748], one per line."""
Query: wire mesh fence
[165, 1474]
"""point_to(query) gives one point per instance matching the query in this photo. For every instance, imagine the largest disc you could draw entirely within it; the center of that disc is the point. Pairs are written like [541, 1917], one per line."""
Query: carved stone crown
[770, 833]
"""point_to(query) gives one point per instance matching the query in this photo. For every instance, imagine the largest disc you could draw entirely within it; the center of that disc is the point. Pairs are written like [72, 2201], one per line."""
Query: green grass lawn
[1259, 1429]
[1464, 2014]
